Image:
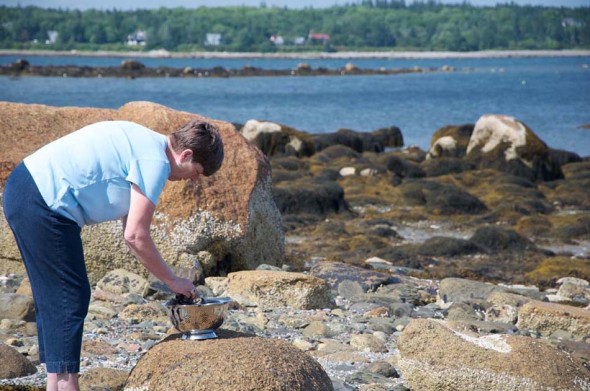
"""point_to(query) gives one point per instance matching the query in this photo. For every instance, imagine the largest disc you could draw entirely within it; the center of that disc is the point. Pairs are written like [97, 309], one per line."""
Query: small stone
[382, 368]
[302, 344]
[347, 171]
[317, 329]
[366, 342]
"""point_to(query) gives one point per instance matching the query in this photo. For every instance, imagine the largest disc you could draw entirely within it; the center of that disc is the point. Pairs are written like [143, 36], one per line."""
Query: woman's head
[204, 140]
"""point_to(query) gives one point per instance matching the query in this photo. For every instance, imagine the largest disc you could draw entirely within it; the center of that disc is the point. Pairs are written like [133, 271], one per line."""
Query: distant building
[137, 38]
[299, 40]
[51, 37]
[318, 37]
[277, 40]
[212, 39]
[571, 22]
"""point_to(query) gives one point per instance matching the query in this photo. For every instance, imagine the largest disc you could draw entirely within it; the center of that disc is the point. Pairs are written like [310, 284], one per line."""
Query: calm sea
[551, 95]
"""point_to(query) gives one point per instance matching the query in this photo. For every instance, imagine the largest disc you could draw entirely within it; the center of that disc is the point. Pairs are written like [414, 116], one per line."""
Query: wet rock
[495, 239]
[279, 175]
[577, 170]
[309, 196]
[440, 199]
[269, 289]
[334, 273]
[450, 141]
[19, 65]
[577, 227]
[389, 137]
[289, 163]
[562, 157]
[17, 307]
[220, 365]
[435, 357]
[534, 226]
[507, 144]
[402, 168]
[445, 165]
[375, 141]
[448, 247]
[548, 318]
[549, 270]
[276, 139]
[334, 155]
[132, 65]
[344, 137]
[14, 364]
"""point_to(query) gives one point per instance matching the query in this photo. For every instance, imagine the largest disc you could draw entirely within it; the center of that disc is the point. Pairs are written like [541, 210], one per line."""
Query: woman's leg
[51, 249]
[62, 382]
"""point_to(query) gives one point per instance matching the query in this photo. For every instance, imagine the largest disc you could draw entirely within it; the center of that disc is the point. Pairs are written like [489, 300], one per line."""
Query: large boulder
[507, 144]
[231, 214]
[233, 362]
[271, 289]
[436, 356]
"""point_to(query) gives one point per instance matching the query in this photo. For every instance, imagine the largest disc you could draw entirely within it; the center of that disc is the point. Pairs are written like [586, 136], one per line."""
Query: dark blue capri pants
[51, 248]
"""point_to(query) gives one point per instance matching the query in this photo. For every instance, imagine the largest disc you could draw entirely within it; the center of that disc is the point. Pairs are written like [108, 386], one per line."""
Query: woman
[104, 171]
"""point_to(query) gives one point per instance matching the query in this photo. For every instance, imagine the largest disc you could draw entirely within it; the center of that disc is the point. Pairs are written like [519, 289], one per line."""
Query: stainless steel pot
[200, 320]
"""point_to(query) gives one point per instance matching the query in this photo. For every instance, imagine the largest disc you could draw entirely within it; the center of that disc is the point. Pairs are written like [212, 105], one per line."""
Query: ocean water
[551, 95]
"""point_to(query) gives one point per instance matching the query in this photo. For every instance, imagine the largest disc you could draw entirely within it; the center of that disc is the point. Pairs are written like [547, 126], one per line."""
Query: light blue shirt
[86, 176]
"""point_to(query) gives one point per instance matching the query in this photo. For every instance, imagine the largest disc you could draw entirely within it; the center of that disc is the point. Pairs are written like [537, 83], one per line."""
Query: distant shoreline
[312, 55]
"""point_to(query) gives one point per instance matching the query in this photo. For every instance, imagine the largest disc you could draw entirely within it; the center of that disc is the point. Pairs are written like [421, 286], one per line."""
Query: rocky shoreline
[133, 69]
[462, 267]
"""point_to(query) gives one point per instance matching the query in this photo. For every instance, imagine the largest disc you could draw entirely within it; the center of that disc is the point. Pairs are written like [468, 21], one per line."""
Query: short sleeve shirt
[86, 176]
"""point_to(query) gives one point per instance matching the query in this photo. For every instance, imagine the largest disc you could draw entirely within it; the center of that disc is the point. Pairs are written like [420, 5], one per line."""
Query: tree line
[366, 25]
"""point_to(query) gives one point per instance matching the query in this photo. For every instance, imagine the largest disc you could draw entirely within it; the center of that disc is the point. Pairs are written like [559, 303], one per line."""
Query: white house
[212, 39]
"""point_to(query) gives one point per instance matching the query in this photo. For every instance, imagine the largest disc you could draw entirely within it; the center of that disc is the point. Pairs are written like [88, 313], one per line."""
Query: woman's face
[183, 167]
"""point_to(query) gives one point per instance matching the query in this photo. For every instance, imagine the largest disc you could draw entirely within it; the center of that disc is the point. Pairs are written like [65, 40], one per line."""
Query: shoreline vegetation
[309, 55]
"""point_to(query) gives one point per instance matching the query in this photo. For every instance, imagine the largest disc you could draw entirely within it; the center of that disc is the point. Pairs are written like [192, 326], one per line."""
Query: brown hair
[204, 140]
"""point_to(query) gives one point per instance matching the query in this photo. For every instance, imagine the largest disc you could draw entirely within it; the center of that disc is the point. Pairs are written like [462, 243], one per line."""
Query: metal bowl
[199, 321]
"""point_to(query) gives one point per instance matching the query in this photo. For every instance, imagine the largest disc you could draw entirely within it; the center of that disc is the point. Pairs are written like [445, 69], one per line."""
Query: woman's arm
[136, 231]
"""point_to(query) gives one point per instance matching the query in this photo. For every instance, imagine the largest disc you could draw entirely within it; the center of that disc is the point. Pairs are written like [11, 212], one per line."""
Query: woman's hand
[183, 286]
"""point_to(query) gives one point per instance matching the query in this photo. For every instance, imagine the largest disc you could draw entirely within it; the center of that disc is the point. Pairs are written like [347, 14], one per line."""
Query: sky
[142, 4]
